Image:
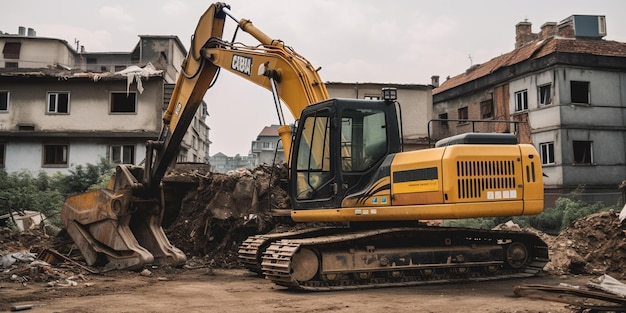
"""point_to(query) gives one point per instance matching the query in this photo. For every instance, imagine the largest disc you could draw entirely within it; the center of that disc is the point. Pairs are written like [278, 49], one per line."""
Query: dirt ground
[236, 290]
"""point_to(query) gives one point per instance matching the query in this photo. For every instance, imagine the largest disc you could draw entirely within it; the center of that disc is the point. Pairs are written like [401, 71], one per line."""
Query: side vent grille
[530, 173]
[474, 177]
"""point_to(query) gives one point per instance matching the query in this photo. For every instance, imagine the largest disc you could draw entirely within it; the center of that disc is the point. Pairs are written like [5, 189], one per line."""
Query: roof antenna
[470, 58]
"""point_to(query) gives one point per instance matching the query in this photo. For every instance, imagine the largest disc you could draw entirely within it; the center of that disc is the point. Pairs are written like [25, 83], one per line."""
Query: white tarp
[134, 73]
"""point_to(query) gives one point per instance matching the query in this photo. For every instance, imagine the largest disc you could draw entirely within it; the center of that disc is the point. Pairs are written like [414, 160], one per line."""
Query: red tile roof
[535, 50]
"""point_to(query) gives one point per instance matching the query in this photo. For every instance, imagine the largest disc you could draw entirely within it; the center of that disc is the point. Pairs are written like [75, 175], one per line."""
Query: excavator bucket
[117, 228]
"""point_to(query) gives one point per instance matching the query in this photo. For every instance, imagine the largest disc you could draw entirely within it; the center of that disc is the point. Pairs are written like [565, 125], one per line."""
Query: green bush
[44, 193]
[567, 209]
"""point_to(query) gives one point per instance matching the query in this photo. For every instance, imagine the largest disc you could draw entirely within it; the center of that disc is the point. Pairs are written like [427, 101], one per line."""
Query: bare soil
[236, 290]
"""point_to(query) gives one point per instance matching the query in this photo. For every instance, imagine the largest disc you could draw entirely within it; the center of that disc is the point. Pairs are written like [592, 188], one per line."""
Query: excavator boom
[120, 226]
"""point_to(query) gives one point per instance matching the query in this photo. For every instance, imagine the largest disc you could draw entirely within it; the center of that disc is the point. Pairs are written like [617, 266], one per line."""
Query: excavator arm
[120, 226]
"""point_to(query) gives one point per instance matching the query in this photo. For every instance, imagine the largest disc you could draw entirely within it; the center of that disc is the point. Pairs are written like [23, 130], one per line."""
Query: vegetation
[45, 193]
[553, 220]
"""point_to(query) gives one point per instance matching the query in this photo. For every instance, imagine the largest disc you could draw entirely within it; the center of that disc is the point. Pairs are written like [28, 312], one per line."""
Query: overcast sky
[388, 41]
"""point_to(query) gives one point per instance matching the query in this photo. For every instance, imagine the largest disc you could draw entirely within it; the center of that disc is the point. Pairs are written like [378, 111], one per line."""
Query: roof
[61, 72]
[394, 85]
[535, 50]
[269, 131]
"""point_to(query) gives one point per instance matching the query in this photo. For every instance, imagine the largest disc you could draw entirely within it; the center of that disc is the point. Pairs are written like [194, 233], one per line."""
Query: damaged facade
[563, 91]
[60, 107]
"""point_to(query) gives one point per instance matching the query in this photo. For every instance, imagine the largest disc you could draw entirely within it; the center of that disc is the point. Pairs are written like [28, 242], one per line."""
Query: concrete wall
[89, 108]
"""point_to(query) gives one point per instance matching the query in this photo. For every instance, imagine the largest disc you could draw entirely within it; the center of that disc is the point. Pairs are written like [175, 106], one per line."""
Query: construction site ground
[238, 291]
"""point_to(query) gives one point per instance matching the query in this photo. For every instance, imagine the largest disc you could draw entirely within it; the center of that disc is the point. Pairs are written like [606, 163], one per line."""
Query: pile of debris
[595, 244]
[226, 209]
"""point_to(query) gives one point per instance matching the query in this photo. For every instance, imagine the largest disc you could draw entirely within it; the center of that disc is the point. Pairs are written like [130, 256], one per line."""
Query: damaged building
[563, 91]
[61, 106]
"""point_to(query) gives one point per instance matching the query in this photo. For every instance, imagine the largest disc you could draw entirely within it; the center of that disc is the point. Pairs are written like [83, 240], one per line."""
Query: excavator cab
[338, 148]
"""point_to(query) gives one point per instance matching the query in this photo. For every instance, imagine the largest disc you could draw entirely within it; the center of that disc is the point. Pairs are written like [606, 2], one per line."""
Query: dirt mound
[227, 208]
[595, 244]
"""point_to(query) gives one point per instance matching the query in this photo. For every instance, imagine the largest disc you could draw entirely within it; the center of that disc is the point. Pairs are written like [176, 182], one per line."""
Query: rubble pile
[226, 209]
[595, 244]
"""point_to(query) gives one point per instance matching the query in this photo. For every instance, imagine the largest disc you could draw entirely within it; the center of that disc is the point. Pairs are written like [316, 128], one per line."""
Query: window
[545, 94]
[486, 108]
[443, 116]
[11, 50]
[579, 91]
[121, 102]
[313, 157]
[546, 150]
[122, 154]
[463, 113]
[2, 149]
[521, 100]
[4, 101]
[363, 139]
[371, 97]
[58, 102]
[55, 155]
[582, 152]
[267, 145]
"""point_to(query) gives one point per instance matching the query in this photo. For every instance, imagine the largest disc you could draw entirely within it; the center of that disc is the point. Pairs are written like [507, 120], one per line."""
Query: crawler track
[402, 257]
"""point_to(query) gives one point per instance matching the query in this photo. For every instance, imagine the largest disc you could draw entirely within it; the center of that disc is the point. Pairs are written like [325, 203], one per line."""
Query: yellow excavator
[357, 198]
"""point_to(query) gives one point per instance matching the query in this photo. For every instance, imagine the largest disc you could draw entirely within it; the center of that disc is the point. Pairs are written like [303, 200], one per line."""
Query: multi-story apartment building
[563, 90]
[61, 106]
[268, 148]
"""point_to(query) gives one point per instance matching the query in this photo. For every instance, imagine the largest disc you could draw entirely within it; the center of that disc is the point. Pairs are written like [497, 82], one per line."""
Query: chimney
[31, 32]
[21, 31]
[566, 28]
[434, 80]
[523, 34]
[548, 29]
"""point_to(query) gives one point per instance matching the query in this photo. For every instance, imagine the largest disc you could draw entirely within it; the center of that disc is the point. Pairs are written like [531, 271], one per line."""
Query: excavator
[359, 199]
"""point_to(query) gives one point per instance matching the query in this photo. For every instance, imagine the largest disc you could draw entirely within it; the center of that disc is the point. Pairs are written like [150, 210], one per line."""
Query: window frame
[463, 114]
[576, 95]
[546, 153]
[56, 94]
[122, 153]
[6, 100]
[486, 109]
[521, 100]
[544, 94]
[64, 158]
[443, 116]
[112, 95]
[578, 148]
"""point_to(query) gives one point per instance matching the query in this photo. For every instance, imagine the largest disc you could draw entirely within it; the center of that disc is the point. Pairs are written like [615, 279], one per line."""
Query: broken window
[486, 108]
[583, 153]
[4, 101]
[122, 102]
[443, 117]
[58, 102]
[463, 113]
[579, 91]
[55, 155]
[546, 150]
[545, 94]
[521, 100]
[11, 50]
[122, 154]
